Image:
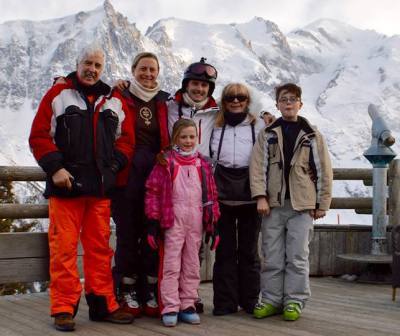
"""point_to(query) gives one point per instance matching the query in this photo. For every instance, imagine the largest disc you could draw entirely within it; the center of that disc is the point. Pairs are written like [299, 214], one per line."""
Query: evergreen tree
[6, 196]
[8, 225]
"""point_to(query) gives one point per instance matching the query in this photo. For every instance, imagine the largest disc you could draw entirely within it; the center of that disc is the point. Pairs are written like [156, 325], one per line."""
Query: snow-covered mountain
[340, 68]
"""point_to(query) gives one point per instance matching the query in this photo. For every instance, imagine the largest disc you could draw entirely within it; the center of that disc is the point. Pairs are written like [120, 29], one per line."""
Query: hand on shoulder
[121, 84]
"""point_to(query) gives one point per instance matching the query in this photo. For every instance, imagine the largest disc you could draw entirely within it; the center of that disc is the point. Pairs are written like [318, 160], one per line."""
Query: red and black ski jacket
[87, 132]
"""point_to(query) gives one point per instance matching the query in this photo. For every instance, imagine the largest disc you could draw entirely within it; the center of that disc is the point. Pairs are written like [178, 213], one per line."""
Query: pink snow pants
[181, 267]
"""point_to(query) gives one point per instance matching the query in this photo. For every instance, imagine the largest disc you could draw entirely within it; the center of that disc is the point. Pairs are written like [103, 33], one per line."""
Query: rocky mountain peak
[108, 8]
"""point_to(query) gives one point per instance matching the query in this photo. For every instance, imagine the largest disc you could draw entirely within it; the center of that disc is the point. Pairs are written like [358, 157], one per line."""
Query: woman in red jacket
[135, 270]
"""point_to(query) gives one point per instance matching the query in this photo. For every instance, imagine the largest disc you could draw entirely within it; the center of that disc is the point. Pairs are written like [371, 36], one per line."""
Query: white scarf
[177, 149]
[141, 92]
[192, 103]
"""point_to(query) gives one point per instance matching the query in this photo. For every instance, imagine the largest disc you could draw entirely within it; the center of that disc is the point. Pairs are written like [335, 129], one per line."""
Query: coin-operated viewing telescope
[380, 155]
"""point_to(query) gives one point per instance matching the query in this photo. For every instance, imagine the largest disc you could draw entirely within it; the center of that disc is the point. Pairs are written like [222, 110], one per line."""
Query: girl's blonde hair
[179, 125]
[229, 90]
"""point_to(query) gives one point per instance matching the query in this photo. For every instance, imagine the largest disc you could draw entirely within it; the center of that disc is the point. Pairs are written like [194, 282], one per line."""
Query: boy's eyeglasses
[203, 69]
[290, 100]
[231, 99]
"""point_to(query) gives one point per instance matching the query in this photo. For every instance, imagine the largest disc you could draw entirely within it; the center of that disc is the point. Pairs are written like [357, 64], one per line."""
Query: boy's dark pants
[236, 278]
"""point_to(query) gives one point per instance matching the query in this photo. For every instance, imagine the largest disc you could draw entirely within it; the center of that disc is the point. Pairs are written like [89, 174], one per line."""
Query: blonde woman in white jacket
[236, 270]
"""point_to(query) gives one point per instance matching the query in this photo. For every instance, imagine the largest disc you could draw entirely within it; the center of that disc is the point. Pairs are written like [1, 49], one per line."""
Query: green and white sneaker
[292, 312]
[262, 310]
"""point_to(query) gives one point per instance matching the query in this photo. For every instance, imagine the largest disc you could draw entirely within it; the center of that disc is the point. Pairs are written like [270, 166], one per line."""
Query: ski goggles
[240, 98]
[204, 69]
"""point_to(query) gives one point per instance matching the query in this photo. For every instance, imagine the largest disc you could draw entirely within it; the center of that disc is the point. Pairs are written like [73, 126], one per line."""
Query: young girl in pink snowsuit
[181, 200]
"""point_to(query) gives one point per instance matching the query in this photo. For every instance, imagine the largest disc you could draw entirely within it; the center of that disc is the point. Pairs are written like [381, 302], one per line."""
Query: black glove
[109, 179]
[214, 237]
[153, 231]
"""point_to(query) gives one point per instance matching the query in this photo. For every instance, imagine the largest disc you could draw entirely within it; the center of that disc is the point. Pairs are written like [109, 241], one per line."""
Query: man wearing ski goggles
[194, 101]
[203, 68]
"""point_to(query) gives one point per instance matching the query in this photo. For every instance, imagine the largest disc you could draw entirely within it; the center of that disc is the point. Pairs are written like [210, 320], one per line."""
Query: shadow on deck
[336, 308]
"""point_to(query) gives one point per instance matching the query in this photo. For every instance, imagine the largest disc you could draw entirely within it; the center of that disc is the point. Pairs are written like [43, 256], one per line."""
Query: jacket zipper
[92, 110]
[234, 146]
[200, 131]
[281, 167]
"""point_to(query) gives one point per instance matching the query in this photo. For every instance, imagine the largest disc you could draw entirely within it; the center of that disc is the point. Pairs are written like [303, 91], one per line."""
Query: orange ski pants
[87, 218]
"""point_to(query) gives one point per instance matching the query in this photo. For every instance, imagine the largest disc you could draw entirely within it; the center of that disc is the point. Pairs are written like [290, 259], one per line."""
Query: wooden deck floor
[336, 308]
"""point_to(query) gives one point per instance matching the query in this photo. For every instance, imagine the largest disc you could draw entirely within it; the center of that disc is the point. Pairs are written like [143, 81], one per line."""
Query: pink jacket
[158, 199]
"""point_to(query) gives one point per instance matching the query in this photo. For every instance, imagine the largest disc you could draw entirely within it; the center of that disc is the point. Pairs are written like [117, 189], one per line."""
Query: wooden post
[394, 192]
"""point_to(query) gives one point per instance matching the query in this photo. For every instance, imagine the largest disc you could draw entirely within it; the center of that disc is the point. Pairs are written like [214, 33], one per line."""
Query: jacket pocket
[302, 186]
[71, 133]
[274, 178]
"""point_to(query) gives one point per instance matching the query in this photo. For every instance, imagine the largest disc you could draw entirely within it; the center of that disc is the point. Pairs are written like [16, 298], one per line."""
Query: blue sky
[381, 15]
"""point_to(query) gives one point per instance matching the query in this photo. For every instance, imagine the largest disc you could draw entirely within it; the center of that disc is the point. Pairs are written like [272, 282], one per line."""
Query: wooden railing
[362, 205]
[24, 256]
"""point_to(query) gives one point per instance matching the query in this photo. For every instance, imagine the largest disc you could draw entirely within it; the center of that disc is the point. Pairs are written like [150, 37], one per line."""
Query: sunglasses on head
[203, 68]
[240, 98]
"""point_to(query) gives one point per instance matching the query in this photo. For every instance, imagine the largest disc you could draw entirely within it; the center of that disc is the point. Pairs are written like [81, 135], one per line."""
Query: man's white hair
[94, 48]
